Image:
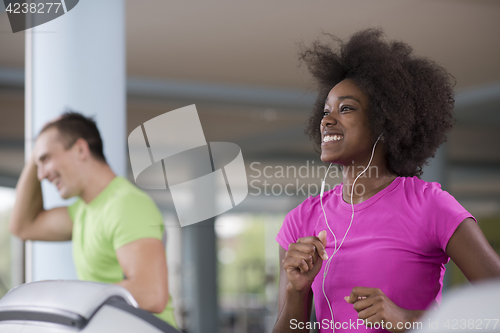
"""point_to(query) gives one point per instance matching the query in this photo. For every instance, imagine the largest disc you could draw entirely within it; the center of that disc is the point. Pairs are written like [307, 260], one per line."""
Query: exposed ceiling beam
[479, 106]
[11, 143]
[12, 77]
[195, 91]
[220, 93]
[8, 181]
[478, 95]
[246, 95]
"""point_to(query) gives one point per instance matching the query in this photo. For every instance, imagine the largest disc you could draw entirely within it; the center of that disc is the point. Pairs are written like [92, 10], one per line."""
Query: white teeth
[335, 137]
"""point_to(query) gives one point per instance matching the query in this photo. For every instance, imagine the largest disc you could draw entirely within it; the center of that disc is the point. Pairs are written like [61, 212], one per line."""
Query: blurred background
[237, 61]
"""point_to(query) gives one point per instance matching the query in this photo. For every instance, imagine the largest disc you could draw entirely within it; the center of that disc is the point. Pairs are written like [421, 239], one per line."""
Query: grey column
[76, 62]
[199, 277]
[436, 172]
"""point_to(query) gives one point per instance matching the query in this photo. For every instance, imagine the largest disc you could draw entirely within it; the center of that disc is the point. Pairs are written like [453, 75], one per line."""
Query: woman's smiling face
[345, 132]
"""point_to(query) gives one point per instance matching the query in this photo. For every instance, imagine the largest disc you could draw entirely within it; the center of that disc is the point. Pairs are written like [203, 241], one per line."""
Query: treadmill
[75, 306]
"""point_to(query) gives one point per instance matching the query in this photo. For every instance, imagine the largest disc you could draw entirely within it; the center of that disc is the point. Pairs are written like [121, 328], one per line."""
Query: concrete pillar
[200, 278]
[436, 172]
[199, 270]
[76, 62]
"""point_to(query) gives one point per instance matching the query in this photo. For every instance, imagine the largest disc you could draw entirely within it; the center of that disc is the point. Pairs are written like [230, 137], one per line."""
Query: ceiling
[255, 42]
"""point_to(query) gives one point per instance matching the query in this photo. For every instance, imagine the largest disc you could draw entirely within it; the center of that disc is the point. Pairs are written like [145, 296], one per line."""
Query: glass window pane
[7, 197]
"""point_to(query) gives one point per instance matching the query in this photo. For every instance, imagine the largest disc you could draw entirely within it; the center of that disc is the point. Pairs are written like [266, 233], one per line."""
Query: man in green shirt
[116, 228]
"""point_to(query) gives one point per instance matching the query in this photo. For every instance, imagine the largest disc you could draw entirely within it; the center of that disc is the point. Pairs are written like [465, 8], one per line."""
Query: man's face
[57, 164]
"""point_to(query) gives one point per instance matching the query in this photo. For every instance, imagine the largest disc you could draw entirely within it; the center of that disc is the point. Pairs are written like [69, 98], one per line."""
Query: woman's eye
[345, 108]
[326, 113]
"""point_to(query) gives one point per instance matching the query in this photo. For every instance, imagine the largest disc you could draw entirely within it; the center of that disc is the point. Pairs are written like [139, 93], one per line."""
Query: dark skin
[346, 118]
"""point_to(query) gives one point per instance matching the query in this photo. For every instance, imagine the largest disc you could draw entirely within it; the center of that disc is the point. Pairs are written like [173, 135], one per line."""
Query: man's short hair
[73, 126]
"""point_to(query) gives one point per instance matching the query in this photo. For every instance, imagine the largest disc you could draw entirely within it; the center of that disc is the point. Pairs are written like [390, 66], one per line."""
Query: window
[7, 197]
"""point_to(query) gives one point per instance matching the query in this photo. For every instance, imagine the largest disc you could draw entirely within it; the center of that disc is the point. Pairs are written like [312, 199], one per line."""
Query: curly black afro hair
[410, 98]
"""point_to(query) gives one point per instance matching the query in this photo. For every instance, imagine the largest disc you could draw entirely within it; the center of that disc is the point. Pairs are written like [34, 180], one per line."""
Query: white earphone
[327, 266]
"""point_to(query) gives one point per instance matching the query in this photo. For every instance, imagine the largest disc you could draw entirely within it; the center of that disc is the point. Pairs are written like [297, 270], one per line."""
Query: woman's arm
[299, 266]
[472, 253]
[468, 248]
[292, 305]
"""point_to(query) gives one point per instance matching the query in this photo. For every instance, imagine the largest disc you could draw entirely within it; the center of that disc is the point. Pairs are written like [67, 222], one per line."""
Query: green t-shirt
[119, 215]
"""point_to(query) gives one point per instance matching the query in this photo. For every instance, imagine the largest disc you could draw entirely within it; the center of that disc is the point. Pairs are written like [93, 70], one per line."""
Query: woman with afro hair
[372, 250]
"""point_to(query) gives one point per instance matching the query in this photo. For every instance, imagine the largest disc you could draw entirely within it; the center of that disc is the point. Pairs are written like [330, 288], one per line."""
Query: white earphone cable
[327, 266]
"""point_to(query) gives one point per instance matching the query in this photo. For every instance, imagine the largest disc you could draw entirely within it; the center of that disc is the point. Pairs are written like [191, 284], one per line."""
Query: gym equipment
[75, 306]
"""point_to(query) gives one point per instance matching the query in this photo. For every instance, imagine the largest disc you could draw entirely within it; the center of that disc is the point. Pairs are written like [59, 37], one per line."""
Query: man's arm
[29, 220]
[146, 276]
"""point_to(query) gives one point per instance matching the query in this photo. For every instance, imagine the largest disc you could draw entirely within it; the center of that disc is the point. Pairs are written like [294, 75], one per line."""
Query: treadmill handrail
[79, 297]
[56, 316]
